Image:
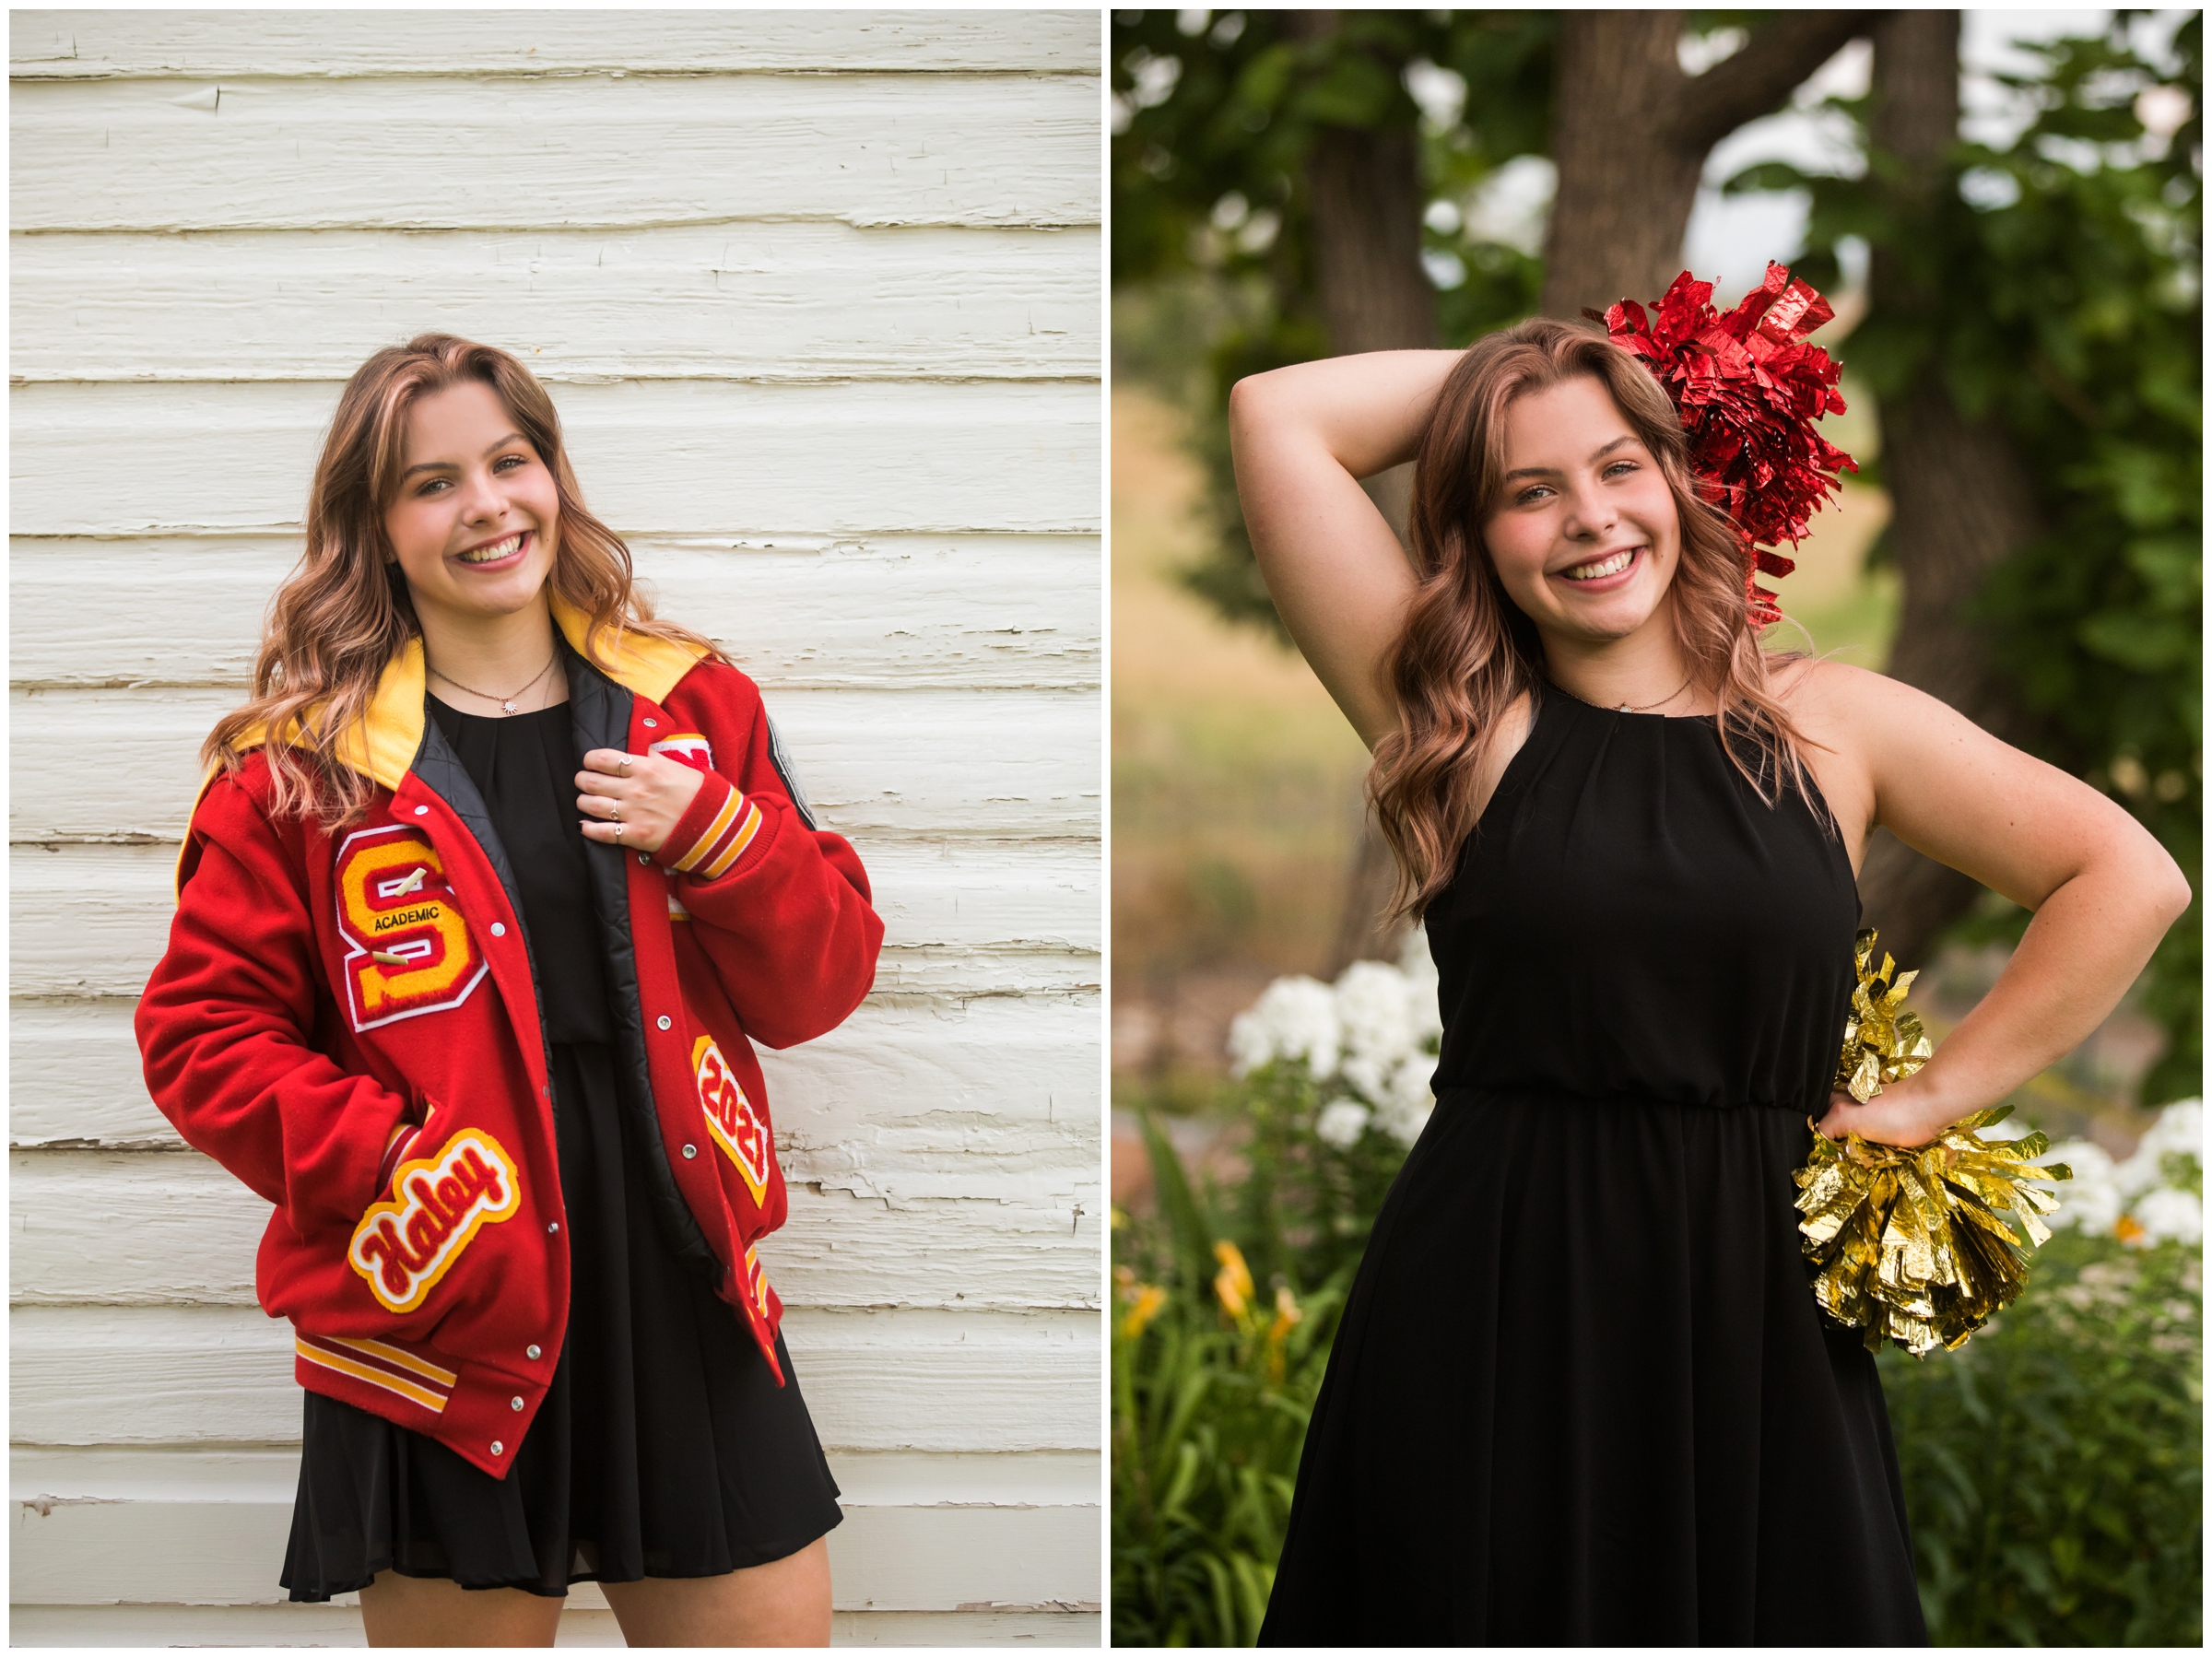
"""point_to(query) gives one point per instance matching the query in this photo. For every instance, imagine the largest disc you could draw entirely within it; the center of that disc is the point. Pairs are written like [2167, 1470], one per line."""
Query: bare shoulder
[1853, 712]
[1812, 689]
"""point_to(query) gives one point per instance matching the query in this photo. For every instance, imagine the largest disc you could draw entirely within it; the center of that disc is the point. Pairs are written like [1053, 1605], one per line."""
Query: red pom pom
[1748, 389]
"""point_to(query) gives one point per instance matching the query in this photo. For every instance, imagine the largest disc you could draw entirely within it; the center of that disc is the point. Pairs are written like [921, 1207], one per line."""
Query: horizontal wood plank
[764, 301]
[95, 44]
[922, 1380]
[91, 920]
[657, 457]
[992, 1098]
[876, 765]
[192, 1231]
[74, 1552]
[506, 153]
[908, 613]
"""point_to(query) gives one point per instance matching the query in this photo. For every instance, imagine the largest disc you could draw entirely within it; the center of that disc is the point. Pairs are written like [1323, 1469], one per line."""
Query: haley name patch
[730, 1117]
[407, 949]
[403, 1247]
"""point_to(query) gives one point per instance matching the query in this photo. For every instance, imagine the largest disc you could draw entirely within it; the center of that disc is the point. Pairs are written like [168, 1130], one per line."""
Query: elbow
[1248, 401]
[2172, 890]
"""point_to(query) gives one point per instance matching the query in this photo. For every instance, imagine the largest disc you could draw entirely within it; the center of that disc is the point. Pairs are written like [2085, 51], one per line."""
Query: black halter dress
[663, 1447]
[1582, 1394]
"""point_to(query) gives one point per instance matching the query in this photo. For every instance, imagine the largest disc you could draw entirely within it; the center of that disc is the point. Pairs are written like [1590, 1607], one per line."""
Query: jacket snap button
[645, 857]
[690, 1151]
[422, 811]
[534, 1352]
[649, 725]
[514, 1403]
[662, 1021]
[498, 1448]
[553, 1227]
[498, 929]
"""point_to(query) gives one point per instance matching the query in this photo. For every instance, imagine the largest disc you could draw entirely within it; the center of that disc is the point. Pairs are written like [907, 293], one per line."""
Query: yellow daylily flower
[1232, 1284]
[1144, 1307]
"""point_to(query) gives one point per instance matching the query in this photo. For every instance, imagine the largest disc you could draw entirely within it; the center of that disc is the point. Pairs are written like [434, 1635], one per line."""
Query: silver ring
[617, 832]
[625, 765]
[615, 811]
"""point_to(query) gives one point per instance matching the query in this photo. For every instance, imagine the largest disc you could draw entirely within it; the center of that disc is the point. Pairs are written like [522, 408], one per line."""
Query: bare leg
[430, 1611]
[784, 1603]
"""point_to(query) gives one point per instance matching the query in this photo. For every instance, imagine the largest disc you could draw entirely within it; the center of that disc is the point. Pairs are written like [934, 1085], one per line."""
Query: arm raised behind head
[1302, 438]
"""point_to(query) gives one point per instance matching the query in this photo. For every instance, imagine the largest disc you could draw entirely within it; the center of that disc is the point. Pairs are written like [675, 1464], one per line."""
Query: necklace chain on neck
[1628, 708]
[506, 702]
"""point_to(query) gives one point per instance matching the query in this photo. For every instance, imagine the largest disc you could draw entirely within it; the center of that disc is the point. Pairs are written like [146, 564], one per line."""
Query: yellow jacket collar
[384, 745]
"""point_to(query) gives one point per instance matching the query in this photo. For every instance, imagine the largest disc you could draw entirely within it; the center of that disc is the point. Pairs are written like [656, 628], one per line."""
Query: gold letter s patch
[407, 948]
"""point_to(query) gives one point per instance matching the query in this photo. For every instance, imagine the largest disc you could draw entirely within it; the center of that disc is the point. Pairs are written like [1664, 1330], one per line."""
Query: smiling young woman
[1581, 1392]
[493, 879]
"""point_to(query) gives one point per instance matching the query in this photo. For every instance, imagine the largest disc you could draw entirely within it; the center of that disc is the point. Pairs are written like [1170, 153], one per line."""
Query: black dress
[663, 1447]
[1582, 1394]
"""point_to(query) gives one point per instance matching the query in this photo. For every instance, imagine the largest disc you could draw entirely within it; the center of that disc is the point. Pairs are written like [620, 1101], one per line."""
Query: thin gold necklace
[1627, 708]
[506, 702]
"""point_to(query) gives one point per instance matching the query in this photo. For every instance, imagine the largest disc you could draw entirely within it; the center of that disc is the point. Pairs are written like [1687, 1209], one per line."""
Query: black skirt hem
[765, 1553]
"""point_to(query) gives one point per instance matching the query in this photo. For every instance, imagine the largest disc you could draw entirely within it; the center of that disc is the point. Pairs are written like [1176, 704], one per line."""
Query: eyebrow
[447, 465]
[1626, 437]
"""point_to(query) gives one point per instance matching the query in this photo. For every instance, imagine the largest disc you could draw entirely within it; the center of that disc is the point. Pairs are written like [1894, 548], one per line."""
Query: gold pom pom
[1882, 1042]
[1907, 1242]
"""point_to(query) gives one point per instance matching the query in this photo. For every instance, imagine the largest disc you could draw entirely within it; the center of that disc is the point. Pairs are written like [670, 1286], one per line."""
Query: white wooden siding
[817, 295]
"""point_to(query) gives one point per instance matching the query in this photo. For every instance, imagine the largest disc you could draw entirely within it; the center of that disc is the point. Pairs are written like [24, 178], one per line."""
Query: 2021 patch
[407, 949]
[730, 1119]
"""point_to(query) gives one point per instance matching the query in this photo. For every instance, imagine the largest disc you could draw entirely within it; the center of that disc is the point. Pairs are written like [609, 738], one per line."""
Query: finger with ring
[626, 765]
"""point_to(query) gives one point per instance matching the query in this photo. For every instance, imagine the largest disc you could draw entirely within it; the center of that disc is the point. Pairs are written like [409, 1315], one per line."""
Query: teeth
[1612, 566]
[498, 549]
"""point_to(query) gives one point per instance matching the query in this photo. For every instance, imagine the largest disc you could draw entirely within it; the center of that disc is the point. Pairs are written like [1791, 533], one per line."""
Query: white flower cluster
[2146, 1199]
[1374, 1032]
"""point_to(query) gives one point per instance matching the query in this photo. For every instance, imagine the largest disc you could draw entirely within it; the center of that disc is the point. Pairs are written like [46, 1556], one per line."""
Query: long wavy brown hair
[345, 611]
[1467, 650]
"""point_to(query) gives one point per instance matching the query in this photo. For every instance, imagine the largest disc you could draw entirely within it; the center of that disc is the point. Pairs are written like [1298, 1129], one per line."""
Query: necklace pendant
[508, 707]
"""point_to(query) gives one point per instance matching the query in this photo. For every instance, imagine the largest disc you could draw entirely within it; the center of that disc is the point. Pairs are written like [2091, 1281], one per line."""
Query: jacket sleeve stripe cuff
[740, 838]
[406, 1360]
[704, 844]
[434, 1402]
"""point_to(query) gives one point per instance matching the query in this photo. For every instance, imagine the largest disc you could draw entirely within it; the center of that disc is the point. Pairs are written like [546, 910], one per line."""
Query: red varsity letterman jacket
[349, 1022]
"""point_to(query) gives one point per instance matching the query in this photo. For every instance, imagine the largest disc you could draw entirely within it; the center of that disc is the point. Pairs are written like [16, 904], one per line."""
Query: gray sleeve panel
[780, 757]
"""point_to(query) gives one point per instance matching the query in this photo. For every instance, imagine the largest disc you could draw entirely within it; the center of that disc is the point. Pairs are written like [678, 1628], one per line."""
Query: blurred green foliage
[2053, 1467]
[1211, 1396]
[2067, 272]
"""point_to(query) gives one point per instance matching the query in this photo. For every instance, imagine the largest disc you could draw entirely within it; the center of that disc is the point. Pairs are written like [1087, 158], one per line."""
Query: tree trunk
[1964, 502]
[1367, 195]
[1631, 133]
[1626, 188]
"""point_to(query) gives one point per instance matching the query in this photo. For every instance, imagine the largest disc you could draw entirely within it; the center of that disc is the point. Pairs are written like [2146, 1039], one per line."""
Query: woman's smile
[1605, 572]
[498, 554]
